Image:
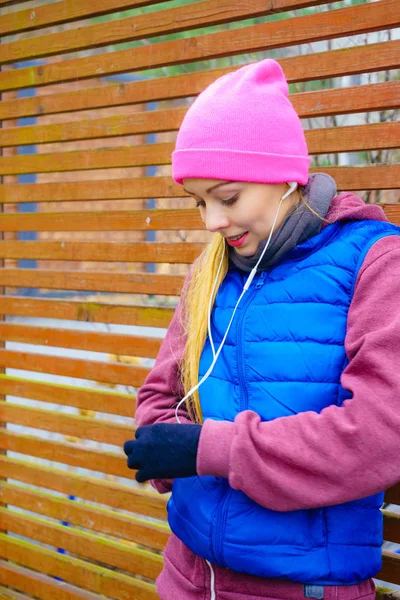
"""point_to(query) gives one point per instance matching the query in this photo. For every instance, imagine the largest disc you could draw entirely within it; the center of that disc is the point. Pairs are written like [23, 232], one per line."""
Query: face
[243, 213]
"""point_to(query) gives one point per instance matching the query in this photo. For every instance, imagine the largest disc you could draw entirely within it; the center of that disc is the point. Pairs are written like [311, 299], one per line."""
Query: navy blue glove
[163, 451]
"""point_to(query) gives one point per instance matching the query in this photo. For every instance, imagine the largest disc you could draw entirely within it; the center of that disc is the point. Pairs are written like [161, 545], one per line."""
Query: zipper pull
[261, 280]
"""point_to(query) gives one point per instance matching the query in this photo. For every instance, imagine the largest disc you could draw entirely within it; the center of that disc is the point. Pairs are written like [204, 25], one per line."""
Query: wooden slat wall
[109, 237]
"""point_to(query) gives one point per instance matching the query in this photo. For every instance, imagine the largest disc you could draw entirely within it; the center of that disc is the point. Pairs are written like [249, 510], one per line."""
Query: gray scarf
[299, 225]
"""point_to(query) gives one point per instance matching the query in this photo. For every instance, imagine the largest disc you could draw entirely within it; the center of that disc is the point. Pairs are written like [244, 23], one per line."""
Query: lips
[237, 240]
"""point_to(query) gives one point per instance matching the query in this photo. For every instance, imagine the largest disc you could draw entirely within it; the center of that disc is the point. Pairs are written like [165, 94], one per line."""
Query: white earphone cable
[246, 286]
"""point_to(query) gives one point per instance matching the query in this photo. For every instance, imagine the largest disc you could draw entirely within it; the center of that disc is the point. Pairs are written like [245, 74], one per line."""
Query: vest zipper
[219, 521]
[243, 387]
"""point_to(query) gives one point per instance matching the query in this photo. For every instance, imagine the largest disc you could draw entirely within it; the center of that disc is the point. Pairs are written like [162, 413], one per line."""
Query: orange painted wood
[72, 454]
[41, 586]
[114, 282]
[9, 594]
[391, 567]
[93, 547]
[164, 22]
[364, 178]
[320, 141]
[88, 310]
[74, 571]
[353, 138]
[347, 178]
[67, 395]
[360, 98]
[392, 495]
[111, 343]
[382, 96]
[182, 253]
[307, 29]
[104, 372]
[153, 535]
[132, 220]
[107, 189]
[78, 160]
[393, 214]
[320, 65]
[391, 532]
[76, 426]
[61, 12]
[108, 493]
[116, 126]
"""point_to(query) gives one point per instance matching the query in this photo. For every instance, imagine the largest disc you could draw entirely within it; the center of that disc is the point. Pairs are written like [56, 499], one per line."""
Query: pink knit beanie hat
[243, 128]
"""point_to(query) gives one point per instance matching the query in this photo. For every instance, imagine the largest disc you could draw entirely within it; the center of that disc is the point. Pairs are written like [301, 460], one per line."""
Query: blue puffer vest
[284, 354]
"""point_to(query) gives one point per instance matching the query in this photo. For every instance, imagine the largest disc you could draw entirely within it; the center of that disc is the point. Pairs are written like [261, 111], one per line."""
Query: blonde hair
[195, 313]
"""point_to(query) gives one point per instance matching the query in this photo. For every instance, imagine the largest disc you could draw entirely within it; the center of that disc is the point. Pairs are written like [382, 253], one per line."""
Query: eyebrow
[213, 187]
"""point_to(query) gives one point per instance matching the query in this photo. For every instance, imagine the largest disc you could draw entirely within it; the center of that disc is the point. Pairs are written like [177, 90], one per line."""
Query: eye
[200, 203]
[230, 201]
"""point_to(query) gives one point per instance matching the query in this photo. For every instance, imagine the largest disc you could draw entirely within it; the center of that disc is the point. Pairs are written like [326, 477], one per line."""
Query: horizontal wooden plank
[106, 189]
[9, 594]
[125, 527]
[353, 138]
[132, 220]
[393, 214]
[347, 178]
[115, 282]
[391, 526]
[320, 65]
[86, 545]
[116, 126]
[276, 34]
[338, 101]
[182, 253]
[39, 585]
[103, 372]
[67, 395]
[82, 160]
[391, 567]
[86, 310]
[75, 571]
[164, 22]
[61, 12]
[392, 495]
[382, 96]
[364, 178]
[112, 343]
[320, 141]
[76, 426]
[108, 493]
[67, 453]
[82, 398]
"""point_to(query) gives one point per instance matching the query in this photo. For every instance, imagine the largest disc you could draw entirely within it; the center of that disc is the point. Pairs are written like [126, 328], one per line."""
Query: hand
[163, 451]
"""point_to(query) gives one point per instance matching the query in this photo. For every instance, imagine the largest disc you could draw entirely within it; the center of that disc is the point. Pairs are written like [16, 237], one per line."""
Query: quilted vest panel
[284, 354]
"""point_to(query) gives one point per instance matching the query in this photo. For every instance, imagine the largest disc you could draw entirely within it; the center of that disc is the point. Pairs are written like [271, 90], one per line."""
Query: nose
[215, 219]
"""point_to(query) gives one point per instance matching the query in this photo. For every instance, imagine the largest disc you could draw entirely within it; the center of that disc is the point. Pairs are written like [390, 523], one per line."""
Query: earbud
[292, 186]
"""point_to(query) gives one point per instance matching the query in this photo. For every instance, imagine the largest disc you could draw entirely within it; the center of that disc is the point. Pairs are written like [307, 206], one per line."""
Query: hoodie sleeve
[162, 389]
[343, 453]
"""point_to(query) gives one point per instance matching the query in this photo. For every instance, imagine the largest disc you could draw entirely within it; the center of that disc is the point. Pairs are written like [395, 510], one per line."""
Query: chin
[246, 252]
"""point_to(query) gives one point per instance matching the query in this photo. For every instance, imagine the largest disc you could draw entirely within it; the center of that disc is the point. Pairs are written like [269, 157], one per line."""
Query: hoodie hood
[349, 207]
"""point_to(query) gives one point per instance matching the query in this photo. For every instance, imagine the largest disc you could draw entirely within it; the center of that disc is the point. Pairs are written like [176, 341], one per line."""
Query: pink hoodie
[313, 459]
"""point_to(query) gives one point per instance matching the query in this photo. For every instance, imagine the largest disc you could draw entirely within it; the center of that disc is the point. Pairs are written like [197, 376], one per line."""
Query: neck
[299, 224]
